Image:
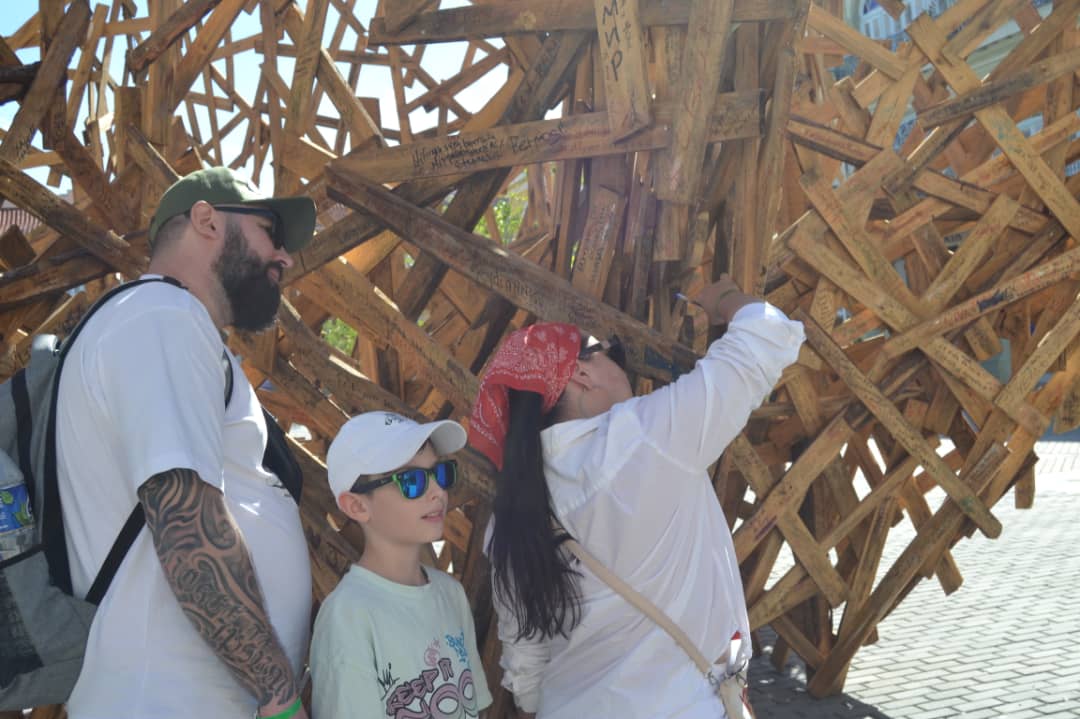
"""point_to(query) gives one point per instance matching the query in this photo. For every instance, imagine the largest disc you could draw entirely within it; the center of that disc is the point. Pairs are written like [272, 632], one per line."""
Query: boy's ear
[355, 506]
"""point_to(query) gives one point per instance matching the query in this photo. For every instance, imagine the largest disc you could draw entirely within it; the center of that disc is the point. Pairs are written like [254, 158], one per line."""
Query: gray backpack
[44, 631]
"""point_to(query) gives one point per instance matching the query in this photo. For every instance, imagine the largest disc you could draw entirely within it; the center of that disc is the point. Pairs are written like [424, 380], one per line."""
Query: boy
[395, 638]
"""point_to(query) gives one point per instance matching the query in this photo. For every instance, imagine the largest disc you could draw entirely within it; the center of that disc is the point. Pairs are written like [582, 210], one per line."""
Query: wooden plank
[891, 109]
[849, 149]
[972, 33]
[622, 53]
[40, 97]
[898, 426]
[895, 314]
[853, 41]
[365, 131]
[518, 280]
[1050, 347]
[346, 383]
[46, 277]
[59, 321]
[1002, 128]
[442, 94]
[849, 230]
[747, 258]
[87, 58]
[108, 201]
[536, 92]
[737, 115]
[346, 293]
[678, 173]
[809, 553]
[15, 251]
[597, 245]
[787, 494]
[167, 33]
[942, 527]
[202, 49]
[68, 220]
[970, 254]
[995, 298]
[528, 17]
[400, 13]
[996, 91]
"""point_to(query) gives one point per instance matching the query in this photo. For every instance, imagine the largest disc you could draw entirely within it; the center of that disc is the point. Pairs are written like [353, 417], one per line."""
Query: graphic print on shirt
[385, 678]
[438, 692]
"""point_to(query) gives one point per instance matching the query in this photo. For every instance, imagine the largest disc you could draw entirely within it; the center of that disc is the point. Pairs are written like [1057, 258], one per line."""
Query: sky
[440, 61]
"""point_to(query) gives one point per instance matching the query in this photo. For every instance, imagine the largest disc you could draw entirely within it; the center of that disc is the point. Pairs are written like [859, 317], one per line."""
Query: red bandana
[539, 358]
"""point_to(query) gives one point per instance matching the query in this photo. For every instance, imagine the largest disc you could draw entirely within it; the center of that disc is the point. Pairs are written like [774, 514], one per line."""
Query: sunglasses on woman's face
[610, 347]
[412, 482]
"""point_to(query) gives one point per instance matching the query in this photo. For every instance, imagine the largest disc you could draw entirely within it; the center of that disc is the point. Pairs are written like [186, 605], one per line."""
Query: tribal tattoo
[207, 564]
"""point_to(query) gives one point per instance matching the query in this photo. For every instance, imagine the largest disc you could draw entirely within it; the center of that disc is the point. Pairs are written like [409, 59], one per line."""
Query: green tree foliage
[509, 210]
[339, 335]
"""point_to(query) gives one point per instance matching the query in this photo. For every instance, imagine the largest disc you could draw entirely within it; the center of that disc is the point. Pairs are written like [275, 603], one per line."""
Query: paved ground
[1006, 644]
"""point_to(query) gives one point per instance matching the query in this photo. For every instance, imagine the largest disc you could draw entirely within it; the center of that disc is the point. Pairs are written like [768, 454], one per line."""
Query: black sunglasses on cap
[610, 347]
[274, 230]
[413, 481]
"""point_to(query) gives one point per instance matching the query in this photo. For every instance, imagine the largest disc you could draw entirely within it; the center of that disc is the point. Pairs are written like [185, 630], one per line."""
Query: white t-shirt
[382, 649]
[143, 392]
[631, 486]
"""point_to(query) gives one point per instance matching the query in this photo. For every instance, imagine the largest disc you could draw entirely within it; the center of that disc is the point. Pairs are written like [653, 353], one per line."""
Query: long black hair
[532, 575]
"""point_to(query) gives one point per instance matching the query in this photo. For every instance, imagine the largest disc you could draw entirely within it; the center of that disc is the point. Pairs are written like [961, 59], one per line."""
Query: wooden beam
[737, 115]
[346, 293]
[1002, 128]
[679, 166]
[995, 91]
[528, 17]
[42, 93]
[167, 33]
[900, 428]
[622, 56]
[525, 284]
[68, 220]
[400, 13]
[202, 49]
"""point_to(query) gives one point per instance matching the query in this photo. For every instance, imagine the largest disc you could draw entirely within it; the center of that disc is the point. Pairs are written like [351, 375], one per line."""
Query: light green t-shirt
[382, 649]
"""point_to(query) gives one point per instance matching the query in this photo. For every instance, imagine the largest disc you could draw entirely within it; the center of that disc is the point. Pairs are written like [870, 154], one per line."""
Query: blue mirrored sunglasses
[413, 481]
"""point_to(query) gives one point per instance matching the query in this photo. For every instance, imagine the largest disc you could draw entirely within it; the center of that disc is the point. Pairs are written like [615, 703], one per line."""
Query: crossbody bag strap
[730, 686]
[641, 603]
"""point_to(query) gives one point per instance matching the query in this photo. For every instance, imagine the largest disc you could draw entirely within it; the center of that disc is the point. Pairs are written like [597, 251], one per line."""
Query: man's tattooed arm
[207, 564]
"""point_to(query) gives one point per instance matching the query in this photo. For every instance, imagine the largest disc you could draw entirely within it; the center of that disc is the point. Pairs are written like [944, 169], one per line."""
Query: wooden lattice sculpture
[691, 138]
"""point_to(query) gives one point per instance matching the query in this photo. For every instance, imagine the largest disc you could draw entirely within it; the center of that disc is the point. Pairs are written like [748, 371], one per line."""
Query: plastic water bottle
[16, 520]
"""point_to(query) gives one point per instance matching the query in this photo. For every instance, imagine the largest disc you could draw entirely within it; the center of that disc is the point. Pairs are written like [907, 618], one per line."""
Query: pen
[681, 296]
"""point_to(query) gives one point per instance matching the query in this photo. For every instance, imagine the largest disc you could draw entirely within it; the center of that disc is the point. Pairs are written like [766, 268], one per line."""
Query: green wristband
[289, 712]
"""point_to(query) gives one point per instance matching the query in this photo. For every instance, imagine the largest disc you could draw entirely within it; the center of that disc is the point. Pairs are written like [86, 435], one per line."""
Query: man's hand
[207, 565]
[722, 299]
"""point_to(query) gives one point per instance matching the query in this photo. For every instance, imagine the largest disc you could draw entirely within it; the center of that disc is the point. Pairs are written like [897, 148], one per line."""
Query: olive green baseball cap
[223, 186]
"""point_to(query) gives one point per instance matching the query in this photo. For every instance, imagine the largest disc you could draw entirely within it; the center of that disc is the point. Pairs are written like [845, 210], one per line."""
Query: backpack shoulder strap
[134, 524]
[52, 531]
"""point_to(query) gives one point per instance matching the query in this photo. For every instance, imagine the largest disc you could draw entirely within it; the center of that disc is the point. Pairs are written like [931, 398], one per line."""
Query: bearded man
[208, 613]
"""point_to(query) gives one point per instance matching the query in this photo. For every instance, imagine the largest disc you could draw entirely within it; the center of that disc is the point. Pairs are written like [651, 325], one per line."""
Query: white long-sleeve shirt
[631, 486]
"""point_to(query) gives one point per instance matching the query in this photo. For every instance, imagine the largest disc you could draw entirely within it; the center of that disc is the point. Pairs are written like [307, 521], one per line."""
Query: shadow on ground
[782, 694]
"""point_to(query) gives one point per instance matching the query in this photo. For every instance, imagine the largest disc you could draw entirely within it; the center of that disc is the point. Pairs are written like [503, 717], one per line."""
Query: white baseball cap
[380, 442]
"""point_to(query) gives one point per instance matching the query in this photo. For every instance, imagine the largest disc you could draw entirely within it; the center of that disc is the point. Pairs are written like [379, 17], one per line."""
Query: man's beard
[253, 297]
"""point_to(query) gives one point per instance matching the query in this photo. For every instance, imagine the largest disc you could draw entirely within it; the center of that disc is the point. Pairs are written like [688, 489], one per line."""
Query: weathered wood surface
[621, 151]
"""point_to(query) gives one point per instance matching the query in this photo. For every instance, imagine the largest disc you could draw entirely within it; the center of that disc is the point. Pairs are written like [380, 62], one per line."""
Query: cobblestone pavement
[1006, 644]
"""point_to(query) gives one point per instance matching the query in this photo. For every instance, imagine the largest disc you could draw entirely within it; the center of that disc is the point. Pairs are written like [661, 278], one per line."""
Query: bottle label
[14, 508]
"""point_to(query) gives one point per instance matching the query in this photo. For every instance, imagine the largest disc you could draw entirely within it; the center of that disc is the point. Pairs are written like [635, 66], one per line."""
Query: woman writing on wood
[626, 477]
